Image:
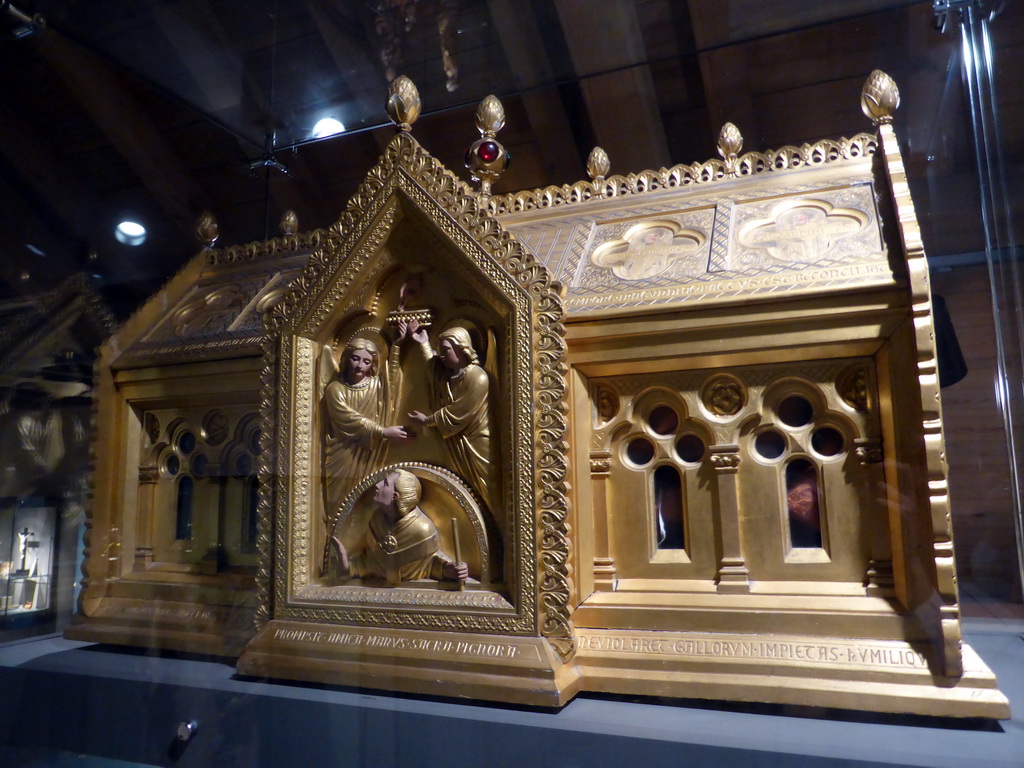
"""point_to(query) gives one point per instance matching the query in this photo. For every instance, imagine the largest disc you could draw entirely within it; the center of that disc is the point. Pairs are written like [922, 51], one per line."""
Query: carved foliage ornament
[714, 170]
[853, 387]
[404, 158]
[724, 395]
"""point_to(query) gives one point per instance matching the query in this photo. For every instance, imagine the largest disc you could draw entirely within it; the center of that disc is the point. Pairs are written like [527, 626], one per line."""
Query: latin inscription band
[758, 649]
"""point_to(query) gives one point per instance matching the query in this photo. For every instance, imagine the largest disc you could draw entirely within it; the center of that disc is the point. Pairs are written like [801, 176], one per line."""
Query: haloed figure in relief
[358, 403]
[459, 391]
[401, 542]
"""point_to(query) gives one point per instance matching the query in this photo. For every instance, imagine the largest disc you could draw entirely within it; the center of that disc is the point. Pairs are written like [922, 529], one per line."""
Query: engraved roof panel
[793, 221]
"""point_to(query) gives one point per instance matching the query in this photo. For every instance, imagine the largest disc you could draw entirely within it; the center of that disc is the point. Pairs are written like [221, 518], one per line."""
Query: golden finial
[879, 97]
[289, 223]
[486, 158]
[207, 230]
[730, 142]
[403, 102]
[598, 164]
[490, 117]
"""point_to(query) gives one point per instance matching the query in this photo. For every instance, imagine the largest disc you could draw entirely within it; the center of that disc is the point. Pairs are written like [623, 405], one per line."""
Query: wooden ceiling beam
[622, 102]
[98, 87]
[725, 71]
[211, 58]
[521, 40]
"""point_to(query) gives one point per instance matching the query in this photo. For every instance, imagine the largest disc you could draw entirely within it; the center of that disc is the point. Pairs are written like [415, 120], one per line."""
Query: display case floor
[62, 698]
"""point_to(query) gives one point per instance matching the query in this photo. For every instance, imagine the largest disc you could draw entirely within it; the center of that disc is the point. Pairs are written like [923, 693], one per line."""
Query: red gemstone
[488, 151]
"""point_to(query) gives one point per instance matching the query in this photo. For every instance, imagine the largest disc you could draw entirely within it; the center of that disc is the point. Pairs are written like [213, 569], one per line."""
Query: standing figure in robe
[460, 395]
[357, 403]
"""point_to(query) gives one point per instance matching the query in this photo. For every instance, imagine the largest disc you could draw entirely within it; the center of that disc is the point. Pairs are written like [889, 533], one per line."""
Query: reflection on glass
[183, 518]
[668, 508]
[802, 503]
[251, 504]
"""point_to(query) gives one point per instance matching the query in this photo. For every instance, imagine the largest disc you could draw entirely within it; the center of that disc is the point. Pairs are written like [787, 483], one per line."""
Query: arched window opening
[183, 519]
[803, 502]
[249, 522]
[668, 508]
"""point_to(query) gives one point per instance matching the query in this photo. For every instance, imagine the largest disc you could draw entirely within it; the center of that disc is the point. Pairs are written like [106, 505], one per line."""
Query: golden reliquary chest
[674, 433]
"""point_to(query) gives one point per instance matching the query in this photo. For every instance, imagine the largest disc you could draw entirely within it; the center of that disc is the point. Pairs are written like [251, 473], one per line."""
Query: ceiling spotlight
[327, 126]
[130, 233]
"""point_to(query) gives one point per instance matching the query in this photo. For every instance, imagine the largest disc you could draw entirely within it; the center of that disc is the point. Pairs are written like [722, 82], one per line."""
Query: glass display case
[147, 501]
[27, 538]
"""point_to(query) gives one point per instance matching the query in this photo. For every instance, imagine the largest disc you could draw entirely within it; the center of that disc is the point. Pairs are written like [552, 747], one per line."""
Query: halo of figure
[401, 541]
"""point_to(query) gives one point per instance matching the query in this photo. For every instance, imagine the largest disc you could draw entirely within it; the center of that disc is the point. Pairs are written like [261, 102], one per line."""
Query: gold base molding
[876, 675]
[517, 670]
[187, 627]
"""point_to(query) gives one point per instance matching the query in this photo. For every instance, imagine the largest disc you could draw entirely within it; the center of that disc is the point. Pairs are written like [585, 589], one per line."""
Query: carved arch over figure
[444, 494]
[410, 213]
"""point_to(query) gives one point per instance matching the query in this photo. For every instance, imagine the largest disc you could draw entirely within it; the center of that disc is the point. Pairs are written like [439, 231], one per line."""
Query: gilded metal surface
[712, 171]
[854, 388]
[289, 223]
[811, 231]
[490, 116]
[930, 403]
[880, 97]
[220, 312]
[724, 395]
[403, 105]
[758, 488]
[598, 164]
[730, 142]
[207, 229]
[537, 468]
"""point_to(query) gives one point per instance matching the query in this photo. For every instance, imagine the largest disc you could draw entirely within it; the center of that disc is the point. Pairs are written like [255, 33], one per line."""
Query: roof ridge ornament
[486, 158]
[598, 164]
[404, 103]
[730, 142]
[879, 97]
[207, 230]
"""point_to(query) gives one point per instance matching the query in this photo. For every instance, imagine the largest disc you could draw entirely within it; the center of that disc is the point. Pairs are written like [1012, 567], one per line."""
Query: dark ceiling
[161, 109]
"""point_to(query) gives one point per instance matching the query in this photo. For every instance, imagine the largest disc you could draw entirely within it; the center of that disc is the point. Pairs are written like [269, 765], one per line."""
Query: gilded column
[733, 576]
[148, 477]
[879, 575]
[604, 566]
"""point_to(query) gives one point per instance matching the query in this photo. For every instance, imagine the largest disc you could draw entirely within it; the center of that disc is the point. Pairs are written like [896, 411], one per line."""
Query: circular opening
[173, 465]
[690, 448]
[130, 233]
[640, 451]
[770, 444]
[795, 411]
[186, 442]
[199, 465]
[243, 465]
[663, 420]
[827, 441]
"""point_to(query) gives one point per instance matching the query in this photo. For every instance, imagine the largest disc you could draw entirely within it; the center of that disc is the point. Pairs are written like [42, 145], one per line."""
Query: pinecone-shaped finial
[880, 97]
[403, 102]
[289, 223]
[598, 164]
[207, 230]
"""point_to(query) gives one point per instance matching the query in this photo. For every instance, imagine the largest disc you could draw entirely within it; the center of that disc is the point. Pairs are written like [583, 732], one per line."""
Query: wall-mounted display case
[27, 536]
